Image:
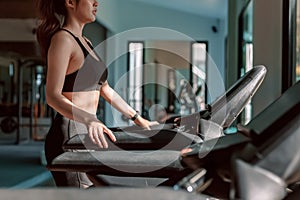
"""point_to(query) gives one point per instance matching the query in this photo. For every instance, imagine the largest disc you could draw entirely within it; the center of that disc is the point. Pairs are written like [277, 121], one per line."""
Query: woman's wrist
[89, 118]
[135, 116]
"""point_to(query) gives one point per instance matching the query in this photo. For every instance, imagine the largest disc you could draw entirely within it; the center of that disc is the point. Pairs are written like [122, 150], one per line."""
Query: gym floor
[22, 166]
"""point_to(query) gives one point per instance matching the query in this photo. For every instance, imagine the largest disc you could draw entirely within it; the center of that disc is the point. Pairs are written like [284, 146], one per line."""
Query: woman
[66, 52]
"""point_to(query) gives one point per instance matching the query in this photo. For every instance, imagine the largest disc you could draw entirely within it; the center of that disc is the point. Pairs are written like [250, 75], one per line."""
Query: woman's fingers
[102, 139]
[93, 133]
[110, 134]
[153, 123]
[96, 134]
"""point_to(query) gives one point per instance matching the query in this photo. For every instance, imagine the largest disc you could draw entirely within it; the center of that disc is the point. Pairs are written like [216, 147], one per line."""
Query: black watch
[135, 116]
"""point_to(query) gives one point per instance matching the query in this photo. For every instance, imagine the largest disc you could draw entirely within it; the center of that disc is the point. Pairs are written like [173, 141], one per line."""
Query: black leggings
[60, 131]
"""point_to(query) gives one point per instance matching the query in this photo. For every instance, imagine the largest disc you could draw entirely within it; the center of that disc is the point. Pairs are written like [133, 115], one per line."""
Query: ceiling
[209, 8]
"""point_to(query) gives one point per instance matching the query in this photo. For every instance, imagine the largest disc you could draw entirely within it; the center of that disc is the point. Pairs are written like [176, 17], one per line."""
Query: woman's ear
[70, 3]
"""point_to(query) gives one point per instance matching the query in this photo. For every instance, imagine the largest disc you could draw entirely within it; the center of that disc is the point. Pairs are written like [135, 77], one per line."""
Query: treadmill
[270, 125]
[187, 130]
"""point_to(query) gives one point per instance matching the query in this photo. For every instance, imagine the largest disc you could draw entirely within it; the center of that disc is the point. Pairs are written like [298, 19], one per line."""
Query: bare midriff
[86, 100]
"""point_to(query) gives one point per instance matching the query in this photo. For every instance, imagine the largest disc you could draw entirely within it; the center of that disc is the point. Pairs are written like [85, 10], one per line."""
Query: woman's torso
[84, 77]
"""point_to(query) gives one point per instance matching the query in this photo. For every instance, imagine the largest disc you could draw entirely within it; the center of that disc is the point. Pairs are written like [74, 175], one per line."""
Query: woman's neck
[75, 28]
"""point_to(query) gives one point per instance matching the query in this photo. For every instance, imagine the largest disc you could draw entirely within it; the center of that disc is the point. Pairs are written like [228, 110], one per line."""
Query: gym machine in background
[24, 114]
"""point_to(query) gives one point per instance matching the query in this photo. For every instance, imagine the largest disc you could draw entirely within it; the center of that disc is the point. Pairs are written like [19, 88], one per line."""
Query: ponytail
[49, 12]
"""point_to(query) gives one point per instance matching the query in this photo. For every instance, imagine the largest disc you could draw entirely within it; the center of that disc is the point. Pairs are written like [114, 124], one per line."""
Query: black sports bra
[90, 76]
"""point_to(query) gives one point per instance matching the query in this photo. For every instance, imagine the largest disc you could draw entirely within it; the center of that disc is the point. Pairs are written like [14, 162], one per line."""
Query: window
[246, 52]
[199, 62]
[290, 43]
[297, 67]
[163, 81]
[136, 57]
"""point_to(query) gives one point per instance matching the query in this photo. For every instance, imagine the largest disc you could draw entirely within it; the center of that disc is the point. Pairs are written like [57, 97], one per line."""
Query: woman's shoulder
[62, 37]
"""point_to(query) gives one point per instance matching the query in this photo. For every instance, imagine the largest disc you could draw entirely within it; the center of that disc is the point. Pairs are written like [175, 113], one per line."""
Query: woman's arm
[117, 102]
[59, 56]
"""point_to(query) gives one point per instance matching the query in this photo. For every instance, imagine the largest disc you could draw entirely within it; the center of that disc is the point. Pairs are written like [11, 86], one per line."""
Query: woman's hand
[96, 131]
[144, 123]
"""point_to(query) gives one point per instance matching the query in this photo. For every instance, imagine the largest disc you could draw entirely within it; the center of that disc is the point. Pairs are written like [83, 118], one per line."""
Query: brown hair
[49, 13]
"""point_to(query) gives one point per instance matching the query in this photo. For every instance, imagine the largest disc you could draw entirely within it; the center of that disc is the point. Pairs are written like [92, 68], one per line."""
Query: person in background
[76, 78]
